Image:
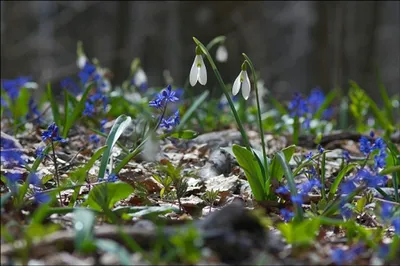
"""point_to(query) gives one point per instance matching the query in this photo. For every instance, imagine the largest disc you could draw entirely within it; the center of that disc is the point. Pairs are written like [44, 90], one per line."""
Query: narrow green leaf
[54, 106]
[118, 128]
[248, 162]
[191, 110]
[77, 112]
[4, 198]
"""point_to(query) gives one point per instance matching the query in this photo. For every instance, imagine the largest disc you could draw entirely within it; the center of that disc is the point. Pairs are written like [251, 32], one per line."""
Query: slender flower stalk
[250, 63]
[225, 91]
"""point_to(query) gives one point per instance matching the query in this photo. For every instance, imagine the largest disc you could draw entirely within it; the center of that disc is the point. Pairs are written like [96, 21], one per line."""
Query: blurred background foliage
[296, 45]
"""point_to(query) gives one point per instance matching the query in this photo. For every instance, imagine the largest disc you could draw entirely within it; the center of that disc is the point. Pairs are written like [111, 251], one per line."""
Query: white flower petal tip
[221, 54]
[198, 72]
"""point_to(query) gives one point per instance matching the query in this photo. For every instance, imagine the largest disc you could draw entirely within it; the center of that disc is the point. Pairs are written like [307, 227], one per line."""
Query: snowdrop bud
[242, 82]
[198, 72]
[140, 77]
[221, 54]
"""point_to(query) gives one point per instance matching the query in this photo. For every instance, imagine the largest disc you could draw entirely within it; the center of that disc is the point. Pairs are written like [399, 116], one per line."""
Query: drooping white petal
[246, 86]
[193, 73]
[81, 61]
[236, 85]
[221, 54]
[202, 72]
[140, 77]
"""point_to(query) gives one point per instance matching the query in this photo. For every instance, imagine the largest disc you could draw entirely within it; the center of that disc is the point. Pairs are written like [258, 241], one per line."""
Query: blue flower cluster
[52, 134]
[301, 107]
[70, 85]
[160, 102]
[387, 215]
[340, 256]
[13, 86]
[34, 112]
[10, 155]
[302, 191]
[87, 74]
[109, 178]
[366, 147]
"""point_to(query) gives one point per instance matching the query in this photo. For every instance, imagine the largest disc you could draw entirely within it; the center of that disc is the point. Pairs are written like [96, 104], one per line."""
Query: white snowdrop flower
[81, 61]
[140, 77]
[198, 72]
[242, 82]
[221, 54]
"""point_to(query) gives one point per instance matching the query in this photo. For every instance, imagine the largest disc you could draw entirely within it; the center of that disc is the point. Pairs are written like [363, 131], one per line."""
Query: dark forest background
[296, 45]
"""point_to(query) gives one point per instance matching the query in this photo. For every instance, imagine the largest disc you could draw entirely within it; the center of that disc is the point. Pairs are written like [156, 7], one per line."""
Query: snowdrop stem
[216, 40]
[225, 91]
[253, 72]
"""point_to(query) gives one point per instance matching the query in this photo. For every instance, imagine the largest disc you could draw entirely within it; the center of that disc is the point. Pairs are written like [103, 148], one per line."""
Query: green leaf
[361, 204]
[185, 134]
[249, 163]
[276, 169]
[21, 106]
[114, 248]
[380, 118]
[54, 106]
[118, 128]
[105, 195]
[77, 112]
[83, 226]
[192, 109]
[302, 233]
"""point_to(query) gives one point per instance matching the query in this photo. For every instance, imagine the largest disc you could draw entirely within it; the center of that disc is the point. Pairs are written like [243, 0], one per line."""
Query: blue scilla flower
[365, 145]
[89, 109]
[52, 134]
[370, 179]
[297, 199]
[282, 190]
[386, 211]
[70, 85]
[340, 256]
[88, 73]
[94, 138]
[298, 106]
[41, 197]
[344, 209]
[309, 155]
[286, 215]
[347, 187]
[102, 123]
[396, 225]
[315, 100]
[34, 112]
[346, 156]
[13, 86]
[380, 160]
[165, 96]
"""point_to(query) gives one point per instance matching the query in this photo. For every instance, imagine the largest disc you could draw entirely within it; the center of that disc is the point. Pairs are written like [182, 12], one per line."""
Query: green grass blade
[77, 111]
[338, 179]
[54, 106]
[191, 110]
